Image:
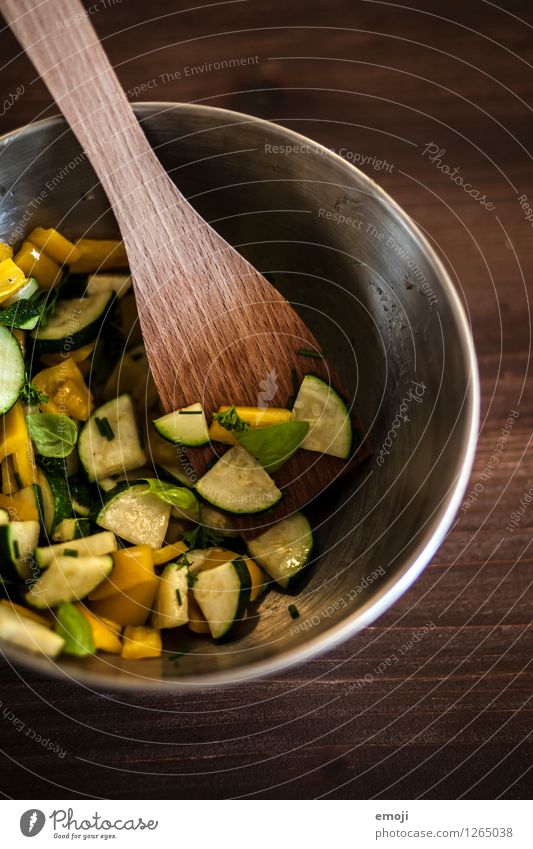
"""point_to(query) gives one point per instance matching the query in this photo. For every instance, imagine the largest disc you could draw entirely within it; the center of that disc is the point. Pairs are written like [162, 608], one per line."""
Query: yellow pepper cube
[35, 263]
[75, 399]
[99, 255]
[21, 506]
[168, 552]
[6, 251]
[131, 607]
[13, 430]
[132, 566]
[12, 278]
[9, 481]
[24, 463]
[105, 633]
[54, 245]
[141, 642]
[254, 416]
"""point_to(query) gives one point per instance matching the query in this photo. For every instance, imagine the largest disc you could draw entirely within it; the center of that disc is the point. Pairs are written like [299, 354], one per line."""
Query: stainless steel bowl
[378, 299]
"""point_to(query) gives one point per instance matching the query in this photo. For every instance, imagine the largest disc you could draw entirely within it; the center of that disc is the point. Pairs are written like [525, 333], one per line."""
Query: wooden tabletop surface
[452, 717]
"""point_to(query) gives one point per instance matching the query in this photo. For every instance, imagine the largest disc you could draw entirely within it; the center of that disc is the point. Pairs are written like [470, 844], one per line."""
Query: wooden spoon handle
[60, 40]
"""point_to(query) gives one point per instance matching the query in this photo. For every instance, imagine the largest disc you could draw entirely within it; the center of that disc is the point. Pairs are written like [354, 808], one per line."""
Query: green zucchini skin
[88, 316]
[13, 371]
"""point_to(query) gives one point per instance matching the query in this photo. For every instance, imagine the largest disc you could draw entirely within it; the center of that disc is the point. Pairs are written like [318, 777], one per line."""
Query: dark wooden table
[453, 717]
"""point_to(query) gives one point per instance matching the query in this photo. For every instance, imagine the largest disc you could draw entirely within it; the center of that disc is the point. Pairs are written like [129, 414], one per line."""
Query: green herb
[70, 552]
[230, 420]
[16, 549]
[30, 395]
[104, 427]
[176, 656]
[304, 352]
[54, 436]
[191, 580]
[202, 537]
[293, 610]
[178, 596]
[178, 496]
[72, 625]
[273, 445]
[21, 314]
[295, 381]
[183, 561]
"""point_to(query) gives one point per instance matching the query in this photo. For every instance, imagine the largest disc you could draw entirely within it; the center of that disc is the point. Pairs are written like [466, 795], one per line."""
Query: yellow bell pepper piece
[132, 566]
[168, 552]
[21, 506]
[15, 441]
[197, 622]
[54, 245]
[257, 577]
[12, 278]
[99, 255]
[254, 416]
[131, 607]
[105, 633]
[141, 642]
[9, 482]
[27, 613]
[6, 251]
[76, 400]
[51, 379]
[35, 263]
[78, 356]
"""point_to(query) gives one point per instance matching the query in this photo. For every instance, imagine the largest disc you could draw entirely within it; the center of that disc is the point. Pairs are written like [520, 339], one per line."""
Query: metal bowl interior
[381, 304]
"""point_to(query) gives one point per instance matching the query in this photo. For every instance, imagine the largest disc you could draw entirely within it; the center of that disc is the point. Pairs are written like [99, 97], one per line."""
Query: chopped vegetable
[141, 642]
[34, 262]
[187, 426]
[75, 630]
[99, 255]
[54, 245]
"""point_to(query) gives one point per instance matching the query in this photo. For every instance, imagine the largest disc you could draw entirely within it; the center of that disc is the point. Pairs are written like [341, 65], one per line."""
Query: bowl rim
[436, 529]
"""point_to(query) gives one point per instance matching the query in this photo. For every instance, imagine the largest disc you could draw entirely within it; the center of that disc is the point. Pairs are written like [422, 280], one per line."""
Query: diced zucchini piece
[187, 426]
[95, 545]
[330, 427]
[82, 499]
[171, 607]
[73, 324]
[223, 594]
[237, 483]
[29, 289]
[18, 541]
[12, 370]
[55, 502]
[97, 284]
[109, 441]
[69, 579]
[4, 516]
[71, 529]
[136, 515]
[283, 549]
[23, 632]
[217, 521]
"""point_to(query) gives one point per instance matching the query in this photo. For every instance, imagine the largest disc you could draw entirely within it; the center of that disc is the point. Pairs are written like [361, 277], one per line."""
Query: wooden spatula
[215, 329]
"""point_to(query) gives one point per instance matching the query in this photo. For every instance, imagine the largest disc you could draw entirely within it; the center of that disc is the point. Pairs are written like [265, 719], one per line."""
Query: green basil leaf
[72, 625]
[273, 445]
[178, 496]
[54, 436]
[21, 314]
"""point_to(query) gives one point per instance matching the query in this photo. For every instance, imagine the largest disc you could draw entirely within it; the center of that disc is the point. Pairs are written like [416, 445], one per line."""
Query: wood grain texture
[215, 330]
[452, 717]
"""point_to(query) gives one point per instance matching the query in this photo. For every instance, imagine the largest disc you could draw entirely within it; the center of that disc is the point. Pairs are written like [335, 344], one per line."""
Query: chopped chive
[70, 552]
[304, 352]
[191, 580]
[177, 654]
[105, 428]
[190, 412]
[178, 596]
[17, 480]
[16, 549]
[293, 610]
[295, 382]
